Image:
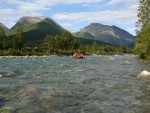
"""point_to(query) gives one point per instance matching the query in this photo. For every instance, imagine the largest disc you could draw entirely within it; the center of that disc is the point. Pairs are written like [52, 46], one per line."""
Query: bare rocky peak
[105, 33]
[94, 26]
[3, 26]
[31, 20]
[98, 29]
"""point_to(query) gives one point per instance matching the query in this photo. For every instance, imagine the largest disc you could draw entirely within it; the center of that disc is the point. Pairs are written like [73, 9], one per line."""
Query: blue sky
[73, 14]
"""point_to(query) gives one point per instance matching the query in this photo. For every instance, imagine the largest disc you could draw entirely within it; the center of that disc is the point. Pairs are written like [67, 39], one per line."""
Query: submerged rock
[144, 75]
[3, 74]
[127, 63]
[30, 90]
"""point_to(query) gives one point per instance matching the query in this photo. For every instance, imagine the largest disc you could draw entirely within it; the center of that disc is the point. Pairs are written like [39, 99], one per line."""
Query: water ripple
[96, 84]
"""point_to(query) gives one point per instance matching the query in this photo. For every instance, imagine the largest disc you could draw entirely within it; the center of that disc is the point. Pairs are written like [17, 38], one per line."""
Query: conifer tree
[142, 44]
[143, 14]
[3, 38]
[18, 39]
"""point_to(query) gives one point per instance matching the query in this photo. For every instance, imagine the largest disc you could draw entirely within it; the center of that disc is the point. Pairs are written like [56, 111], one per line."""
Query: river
[96, 84]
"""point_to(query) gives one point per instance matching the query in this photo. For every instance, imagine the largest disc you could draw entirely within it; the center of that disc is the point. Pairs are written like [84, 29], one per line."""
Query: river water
[96, 84]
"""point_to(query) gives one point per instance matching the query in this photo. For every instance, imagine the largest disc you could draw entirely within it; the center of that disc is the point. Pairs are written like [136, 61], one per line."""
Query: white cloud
[113, 2]
[31, 7]
[54, 2]
[126, 16]
[45, 3]
[6, 11]
[66, 24]
[12, 10]
[122, 16]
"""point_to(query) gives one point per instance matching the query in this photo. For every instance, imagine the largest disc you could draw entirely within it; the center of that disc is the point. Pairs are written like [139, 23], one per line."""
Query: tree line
[16, 42]
[51, 44]
[63, 44]
[104, 49]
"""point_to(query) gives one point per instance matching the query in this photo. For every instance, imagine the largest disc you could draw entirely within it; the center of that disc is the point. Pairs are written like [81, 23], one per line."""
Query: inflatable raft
[78, 56]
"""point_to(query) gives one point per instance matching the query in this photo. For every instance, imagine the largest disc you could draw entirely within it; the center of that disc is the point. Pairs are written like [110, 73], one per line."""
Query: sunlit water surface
[96, 84]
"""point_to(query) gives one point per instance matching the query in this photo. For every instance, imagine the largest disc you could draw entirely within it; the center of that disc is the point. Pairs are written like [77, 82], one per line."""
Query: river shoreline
[43, 56]
[27, 56]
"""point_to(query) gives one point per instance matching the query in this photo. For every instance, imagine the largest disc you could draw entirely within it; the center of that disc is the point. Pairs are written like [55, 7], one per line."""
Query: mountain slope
[3, 26]
[36, 28]
[107, 34]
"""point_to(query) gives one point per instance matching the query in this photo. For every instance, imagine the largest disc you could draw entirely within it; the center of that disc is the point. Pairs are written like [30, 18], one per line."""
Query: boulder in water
[144, 75]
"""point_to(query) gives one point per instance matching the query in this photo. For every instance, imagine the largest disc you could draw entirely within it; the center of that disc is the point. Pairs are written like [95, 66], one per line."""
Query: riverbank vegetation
[63, 44]
[142, 44]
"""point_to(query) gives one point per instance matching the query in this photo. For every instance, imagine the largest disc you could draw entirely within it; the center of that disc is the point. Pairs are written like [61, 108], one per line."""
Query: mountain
[107, 34]
[3, 26]
[36, 28]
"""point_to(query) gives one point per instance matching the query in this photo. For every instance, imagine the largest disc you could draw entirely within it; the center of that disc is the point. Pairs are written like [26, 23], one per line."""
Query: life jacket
[81, 55]
[75, 56]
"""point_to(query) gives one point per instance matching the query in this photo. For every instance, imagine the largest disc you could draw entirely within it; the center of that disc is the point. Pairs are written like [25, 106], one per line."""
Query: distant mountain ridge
[36, 28]
[27, 20]
[4, 27]
[108, 34]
